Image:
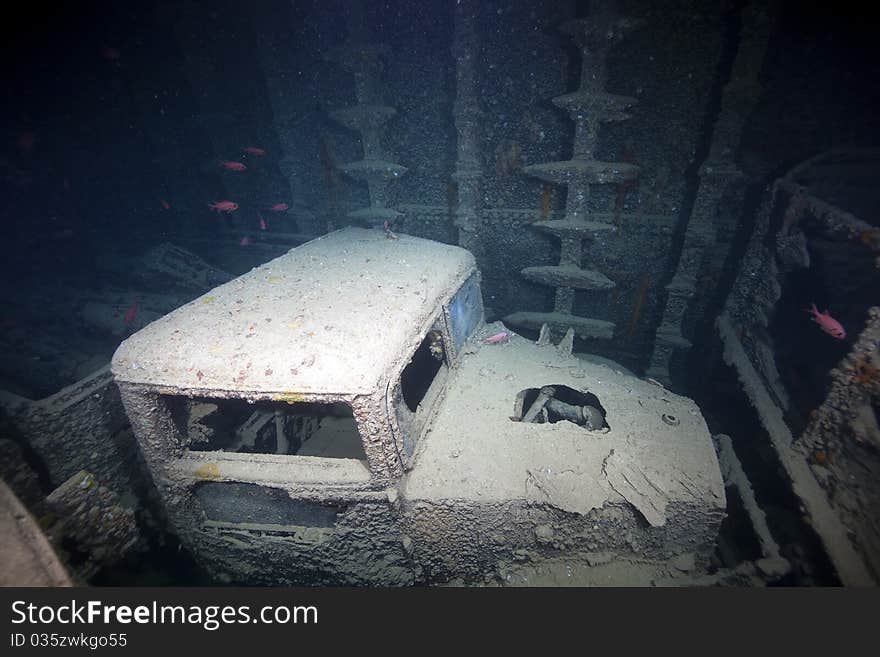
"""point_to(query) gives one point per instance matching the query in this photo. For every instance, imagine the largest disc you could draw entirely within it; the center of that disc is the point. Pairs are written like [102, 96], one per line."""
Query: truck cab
[336, 416]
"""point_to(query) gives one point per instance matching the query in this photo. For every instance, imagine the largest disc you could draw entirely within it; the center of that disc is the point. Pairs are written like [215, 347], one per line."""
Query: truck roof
[332, 316]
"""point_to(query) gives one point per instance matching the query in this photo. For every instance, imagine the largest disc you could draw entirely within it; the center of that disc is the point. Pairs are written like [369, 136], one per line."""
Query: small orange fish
[869, 237]
[245, 241]
[224, 206]
[263, 225]
[253, 150]
[232, 166]
[279, 207]
[546, 200]
[164, 204]
[130, 314]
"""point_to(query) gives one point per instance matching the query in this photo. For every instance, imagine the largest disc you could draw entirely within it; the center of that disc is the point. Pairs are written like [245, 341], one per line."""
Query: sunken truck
[336, 416]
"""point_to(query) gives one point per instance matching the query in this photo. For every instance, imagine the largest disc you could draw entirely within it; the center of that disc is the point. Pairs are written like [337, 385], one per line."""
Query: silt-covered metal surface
[325, 318]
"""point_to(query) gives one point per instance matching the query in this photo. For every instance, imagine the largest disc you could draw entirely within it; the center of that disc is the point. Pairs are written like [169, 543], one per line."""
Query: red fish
[164, 204]
[498, 337]
[244, 241]
[232, 166]
[25, 142]
[130, 314]
[111, 54]
[253, 150]
[827, 323]
[263, 225]
[224, 206]
[279, 207]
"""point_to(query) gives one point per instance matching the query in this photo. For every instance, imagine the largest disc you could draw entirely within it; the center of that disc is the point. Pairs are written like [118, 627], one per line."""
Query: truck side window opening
[419, 388]
[234, 425]
[417, 376]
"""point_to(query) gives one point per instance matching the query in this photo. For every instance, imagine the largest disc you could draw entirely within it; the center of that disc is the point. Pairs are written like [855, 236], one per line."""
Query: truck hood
[658, 449]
